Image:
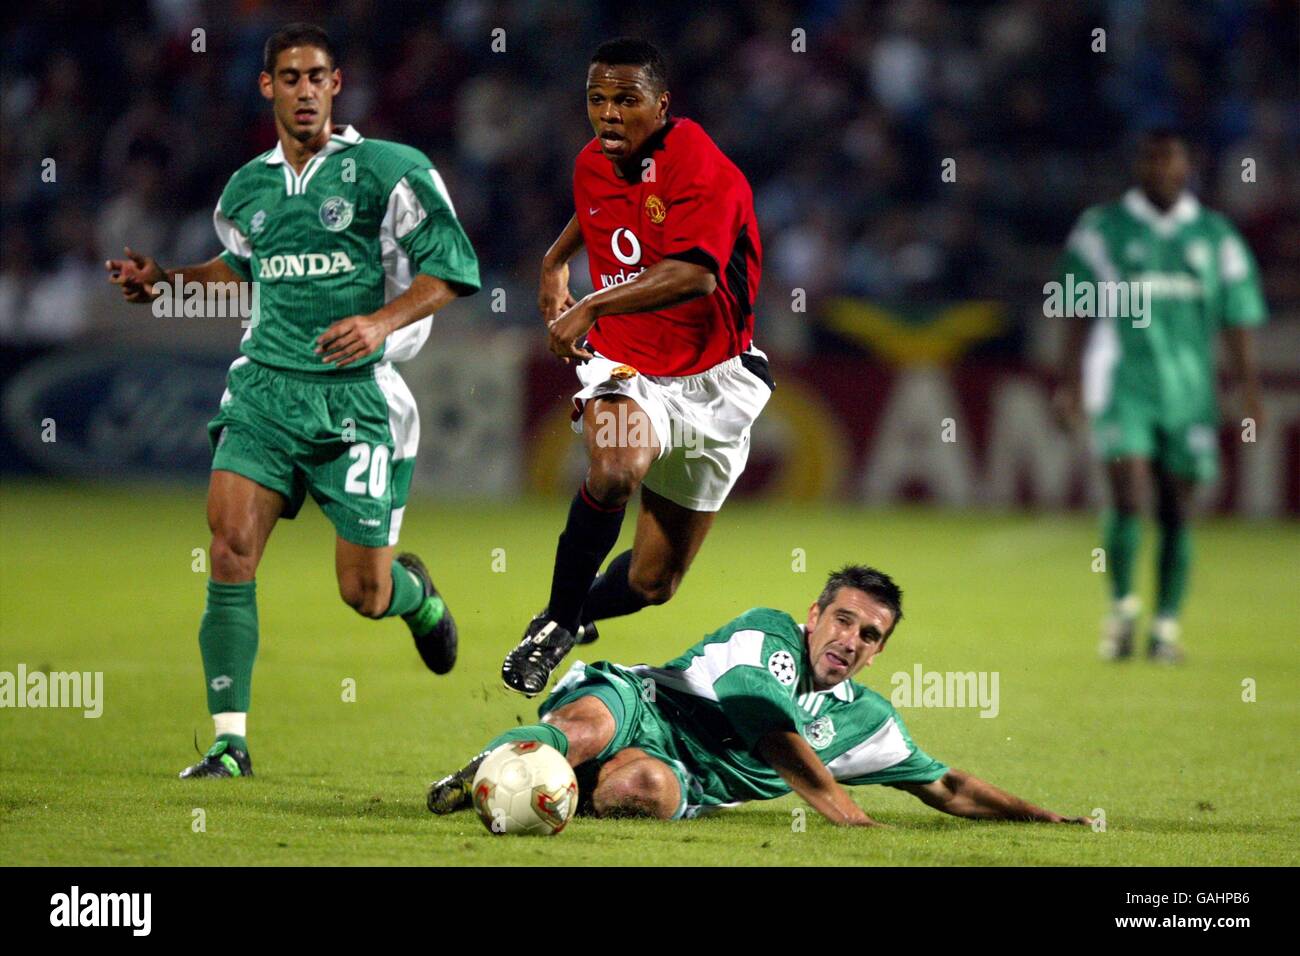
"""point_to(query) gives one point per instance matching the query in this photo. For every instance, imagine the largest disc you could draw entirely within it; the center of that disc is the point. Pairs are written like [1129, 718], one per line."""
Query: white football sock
[1128, 607]
[231, 722]
[1166, 629]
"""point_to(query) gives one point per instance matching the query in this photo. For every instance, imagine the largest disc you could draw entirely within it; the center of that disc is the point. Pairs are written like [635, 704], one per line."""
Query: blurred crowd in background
[842, 142]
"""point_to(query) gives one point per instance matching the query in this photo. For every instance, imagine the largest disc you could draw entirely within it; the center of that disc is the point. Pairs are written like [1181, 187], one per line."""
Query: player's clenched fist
[350, 339]
[136, 275]
[569, 329]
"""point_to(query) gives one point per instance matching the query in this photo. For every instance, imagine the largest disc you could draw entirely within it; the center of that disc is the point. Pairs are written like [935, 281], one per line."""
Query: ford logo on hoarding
[140, 416]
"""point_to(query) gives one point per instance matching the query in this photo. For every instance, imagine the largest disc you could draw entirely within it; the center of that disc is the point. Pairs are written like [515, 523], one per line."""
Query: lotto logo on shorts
[622, 373]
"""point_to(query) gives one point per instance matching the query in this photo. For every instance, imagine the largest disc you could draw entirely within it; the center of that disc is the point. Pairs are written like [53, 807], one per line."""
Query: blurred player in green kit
[1147, 378]
[353, 244]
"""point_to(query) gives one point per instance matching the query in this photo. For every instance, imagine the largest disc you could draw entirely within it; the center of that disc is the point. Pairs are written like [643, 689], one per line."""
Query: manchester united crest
[655, 209]
[622, 372]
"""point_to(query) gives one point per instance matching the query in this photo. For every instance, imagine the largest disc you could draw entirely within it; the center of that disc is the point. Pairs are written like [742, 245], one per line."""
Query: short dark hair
[296, 34]
[633, 51]
[878, 584]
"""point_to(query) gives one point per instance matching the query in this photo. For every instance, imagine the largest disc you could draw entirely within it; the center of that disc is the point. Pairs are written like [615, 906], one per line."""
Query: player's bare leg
[376, 585]
[1174, 499]
[635, 784]
[365, 577]
[580, 730]
[668, 537]
[621, 447]
[587, 725]
[1129, 480]
[241, 516]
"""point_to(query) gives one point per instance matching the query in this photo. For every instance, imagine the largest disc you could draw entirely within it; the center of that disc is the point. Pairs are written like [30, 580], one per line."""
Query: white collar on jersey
[1179, 214]
[349, 137]
[843, 690]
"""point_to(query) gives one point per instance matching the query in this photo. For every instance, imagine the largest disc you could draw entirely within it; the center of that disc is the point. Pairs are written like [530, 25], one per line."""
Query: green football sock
[228, 643]
[543, 733]
[234, 740]
[1173, 569]
[408, 593]
[1121, 536]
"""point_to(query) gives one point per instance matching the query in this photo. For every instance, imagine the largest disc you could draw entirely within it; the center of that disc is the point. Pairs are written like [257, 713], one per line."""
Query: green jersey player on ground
[761, 707]
[1149, 385]
[352, 245]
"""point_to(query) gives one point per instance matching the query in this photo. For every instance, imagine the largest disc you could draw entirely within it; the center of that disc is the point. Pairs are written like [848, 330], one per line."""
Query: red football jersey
[697, 207]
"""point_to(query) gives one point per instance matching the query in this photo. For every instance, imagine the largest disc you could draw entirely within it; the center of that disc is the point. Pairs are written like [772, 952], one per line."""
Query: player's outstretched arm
[666, 283]
[965, 795]
[357, 336]
[137, 274]
[553, 296]
[791, 756]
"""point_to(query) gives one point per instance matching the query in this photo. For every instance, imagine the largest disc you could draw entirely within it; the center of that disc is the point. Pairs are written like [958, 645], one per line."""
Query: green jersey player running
[1148, 381]
[761, 707]
[352, 244]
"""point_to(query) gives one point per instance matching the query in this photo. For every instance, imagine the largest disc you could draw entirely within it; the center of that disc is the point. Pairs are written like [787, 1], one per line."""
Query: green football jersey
[1200, 276]
[752, 676]
[341, 238]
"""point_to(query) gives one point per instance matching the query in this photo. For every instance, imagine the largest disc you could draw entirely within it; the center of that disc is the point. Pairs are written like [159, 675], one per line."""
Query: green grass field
[99, 579]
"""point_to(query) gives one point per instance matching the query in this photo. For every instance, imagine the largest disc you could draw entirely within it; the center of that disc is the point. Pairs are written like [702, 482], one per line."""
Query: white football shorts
[702, 421]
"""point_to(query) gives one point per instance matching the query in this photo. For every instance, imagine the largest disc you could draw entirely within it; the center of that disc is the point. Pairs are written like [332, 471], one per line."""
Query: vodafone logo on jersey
[616, 244]
[627, 250]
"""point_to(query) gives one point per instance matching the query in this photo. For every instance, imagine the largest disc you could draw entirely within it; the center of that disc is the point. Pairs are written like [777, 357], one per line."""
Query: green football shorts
[349, 437]
[1135, 429]
[637, 722]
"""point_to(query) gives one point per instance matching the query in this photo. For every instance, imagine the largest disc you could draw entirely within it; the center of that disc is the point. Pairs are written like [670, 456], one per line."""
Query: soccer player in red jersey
[671, 381]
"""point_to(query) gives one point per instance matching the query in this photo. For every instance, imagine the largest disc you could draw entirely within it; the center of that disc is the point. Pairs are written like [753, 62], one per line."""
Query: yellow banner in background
[937, 337]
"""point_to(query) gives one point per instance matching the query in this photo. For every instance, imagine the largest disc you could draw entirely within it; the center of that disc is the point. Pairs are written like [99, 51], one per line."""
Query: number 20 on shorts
[364, 460]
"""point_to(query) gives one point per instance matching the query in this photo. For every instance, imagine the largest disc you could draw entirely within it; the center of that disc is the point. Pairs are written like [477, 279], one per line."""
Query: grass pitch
[100, 579]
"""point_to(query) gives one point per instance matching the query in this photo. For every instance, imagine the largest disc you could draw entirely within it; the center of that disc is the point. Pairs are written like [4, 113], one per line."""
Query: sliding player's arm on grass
[1242, 309]
[421, 224]
[965, 795]
[790, 755]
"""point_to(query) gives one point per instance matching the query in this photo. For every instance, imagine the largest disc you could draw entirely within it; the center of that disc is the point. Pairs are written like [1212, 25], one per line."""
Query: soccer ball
[525, 787]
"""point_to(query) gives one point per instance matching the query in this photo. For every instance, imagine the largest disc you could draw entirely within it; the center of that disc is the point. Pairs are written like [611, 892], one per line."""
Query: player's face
[624, 108]
[846, 636]
[302, 91]
[1163, 169]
